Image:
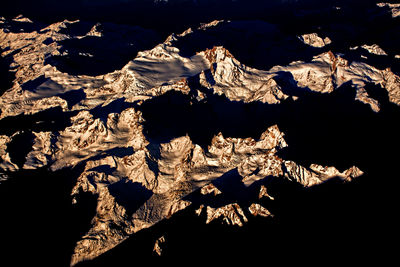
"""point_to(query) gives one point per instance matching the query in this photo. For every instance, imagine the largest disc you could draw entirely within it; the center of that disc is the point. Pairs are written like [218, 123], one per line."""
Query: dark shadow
[256, 44]
[94, 55]
[378, 61]
[152, 164]
[32, 85]
[177, 15]
[38, 219]
[6, 76]
[52, 119]
[73, 97]
[48, 41]
[78, 29]
[117, 152]
[129, 195]
[232, 188]
[331, 220]
[369, 25]
[329, 129]
[21, 26]
[107, 169]
[19, 147]
[116, 106]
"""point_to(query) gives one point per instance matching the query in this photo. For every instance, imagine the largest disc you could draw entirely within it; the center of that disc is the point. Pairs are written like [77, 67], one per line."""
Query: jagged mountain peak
[198, 124]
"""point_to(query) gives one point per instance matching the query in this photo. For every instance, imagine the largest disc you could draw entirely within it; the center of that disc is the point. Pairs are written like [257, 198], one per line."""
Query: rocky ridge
[115, 152]
[394, 8]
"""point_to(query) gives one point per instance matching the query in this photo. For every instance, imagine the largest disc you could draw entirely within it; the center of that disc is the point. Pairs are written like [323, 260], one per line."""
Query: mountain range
[240, 135]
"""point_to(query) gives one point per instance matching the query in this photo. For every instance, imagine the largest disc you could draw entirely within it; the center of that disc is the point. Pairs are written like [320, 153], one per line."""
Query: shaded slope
[38, 217]
[323, 128]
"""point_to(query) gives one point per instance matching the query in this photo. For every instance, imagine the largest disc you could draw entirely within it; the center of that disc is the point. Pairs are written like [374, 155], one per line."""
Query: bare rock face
[140, 181]
[263, 193]
[374, 49]
[239, 82]
[210, 189]
[394, 8]
[182, 168]
[157, 245]
[316, 174]
[258, 210]
[6, 163]
[314, 40]
[232, 214]
[42, 151]
[327, 72]
[391, 82]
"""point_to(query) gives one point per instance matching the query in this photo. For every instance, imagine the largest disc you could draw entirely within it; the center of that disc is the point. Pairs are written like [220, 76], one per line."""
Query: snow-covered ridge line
[114, 150]
[163, 65]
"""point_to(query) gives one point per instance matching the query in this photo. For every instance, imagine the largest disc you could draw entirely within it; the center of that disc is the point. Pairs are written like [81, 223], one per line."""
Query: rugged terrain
[110, 135]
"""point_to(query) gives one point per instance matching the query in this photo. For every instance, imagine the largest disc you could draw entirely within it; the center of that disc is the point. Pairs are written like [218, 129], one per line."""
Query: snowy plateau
[233, 138]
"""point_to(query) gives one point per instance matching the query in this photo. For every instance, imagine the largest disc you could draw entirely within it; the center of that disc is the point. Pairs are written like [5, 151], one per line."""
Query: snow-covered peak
[104, 128]
[314, 40]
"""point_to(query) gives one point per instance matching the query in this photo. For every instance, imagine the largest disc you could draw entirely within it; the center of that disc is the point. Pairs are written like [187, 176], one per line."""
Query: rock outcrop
[393, 7]
[312, 39]
[105, 135]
